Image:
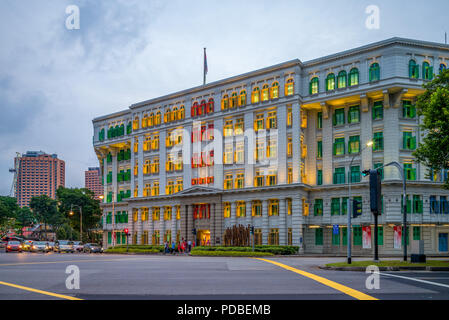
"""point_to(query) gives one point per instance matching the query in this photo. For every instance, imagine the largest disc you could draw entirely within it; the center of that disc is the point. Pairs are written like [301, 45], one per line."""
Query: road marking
[349, 291]
[63, 261]
[39, 291]
[418, 280]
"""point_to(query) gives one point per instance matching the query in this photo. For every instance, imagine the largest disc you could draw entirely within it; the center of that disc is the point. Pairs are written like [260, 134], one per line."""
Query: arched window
[151, 120]
[202, 109]
[427, 71]
[342, 79]
[167, 115]
[234, 100]
[289, 87]
[242, 98]
[314, 85]
[442, 67]
[175, 114]
[353, 77]
[157, 120]
[210, 105]
[225, 102]
[145, 121]
[330, 82]
[265, 95]
[194, 110]
[275, 90]
[255, 95]
[413, 69]
[374, 72]
[136, 123]
[181, 113]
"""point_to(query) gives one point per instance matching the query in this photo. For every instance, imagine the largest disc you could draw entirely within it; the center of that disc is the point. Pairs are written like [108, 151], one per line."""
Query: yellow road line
[39, 291]
[349, 291]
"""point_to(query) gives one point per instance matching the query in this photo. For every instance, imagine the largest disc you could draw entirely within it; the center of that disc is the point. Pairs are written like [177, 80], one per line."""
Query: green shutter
[380, 236]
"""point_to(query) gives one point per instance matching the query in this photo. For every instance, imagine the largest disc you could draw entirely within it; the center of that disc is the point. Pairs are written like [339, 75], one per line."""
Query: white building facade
[273, 149]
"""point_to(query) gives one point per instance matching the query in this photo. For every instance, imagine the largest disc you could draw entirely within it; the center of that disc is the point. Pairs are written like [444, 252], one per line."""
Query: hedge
[136, 248]
[131, 250]
[219, 253]
[277, 250]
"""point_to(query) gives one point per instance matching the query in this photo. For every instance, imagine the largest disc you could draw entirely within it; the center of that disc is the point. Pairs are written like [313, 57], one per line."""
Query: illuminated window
[228, 153]
[273, 207]
[169, 164]
[156, 213]
[342, 79]
[259, 179]
[136, 191]
[239, 181]
[155, 142]
[136, 123]
[167, 115]
[330, 82]
[240, 153]
[256, 208]
[157, 119]
[289, 146]
[255, 95]
[273, 237]
[225, 102]
[314, 85]
[272, 148]
[234, 100]
[272, 120]
[179, 185]
[210, 106]
[259, 122]
[290, 175]
[241, 209]
[146, 190]
[339, 146]
[339, 117]
[354, 144]
[289, 206]
[151, 120]
[354, 114]
[144, 214]
[272, 178]
[174, 114]
[155, 166]
[170, 187]
[146, 167]
[136, 145]
[155, 188]
[239, 126]
[275, 90]
[227, 130]
[145, 121]
[226, 210]
[353, 77]
[289, 117]
[374, 72]
[289, 87]
[228, 181]
[413, 69]
[260, 150]
[181, 113]
[265, 93]
[242, 98]
[167, 212]
[178, 212]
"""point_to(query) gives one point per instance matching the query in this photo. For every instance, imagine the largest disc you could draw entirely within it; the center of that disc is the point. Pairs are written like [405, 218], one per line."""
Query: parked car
[78, 246]
[3, 244]
[13, 246]
[92, 248]
[64, 246]
[51, 245]
[40, 246]
[26, 245]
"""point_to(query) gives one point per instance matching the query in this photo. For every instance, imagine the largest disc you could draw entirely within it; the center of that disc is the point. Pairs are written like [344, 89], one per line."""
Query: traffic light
[126, 231]
[252, 229]
[375, 190]
[356, 208]
[194, 231]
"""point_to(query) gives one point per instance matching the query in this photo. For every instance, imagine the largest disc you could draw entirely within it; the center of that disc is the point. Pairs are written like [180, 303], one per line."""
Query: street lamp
[71, 213]
[349, 207]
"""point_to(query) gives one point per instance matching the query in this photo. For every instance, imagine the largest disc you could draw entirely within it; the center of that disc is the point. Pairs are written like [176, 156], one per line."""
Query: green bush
[277, 250]
[136, 249]
[228, 253]
[141, 247]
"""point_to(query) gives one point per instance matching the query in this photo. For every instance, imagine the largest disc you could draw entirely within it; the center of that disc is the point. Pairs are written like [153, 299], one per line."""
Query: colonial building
[276, 149]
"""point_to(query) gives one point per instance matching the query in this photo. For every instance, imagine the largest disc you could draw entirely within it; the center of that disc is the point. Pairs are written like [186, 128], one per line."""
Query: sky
[55, 80]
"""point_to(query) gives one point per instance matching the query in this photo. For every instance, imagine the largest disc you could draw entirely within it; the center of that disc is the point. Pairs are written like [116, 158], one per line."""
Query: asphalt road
[197, 278]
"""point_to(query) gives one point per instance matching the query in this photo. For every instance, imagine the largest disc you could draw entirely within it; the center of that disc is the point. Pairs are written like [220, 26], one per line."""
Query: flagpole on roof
[204, 67]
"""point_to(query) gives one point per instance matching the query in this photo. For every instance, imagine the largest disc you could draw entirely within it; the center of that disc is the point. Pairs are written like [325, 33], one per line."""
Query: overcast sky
[54, 81]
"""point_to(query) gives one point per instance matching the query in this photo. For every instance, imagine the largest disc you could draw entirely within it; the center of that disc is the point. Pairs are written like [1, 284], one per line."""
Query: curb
[363, 269]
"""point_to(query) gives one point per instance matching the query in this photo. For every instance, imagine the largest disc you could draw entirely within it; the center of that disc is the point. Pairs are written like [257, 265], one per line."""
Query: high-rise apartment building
[275, 148]
[92, 181]
[38, 173]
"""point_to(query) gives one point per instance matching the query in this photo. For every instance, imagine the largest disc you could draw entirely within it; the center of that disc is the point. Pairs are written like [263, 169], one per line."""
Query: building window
[226, 210]
[289, 147]
[289, 87]
[339, 175]
[228, 153]
[342, 80]
[242, 98]
[319, 181]
[408, 110]
[354, 114]
[318, 207]
[355, 174]
[239, 181]
[260, 150]
[353, 77]
[417, 204]
[319, 236]
[273, 207]
[427, 71]
[409, 142]
[255, 95]
[234, 101]
[256, 208]
[339, 146]
[409, 171]
[239, 126]
[290, 175]
[228, 181]
[240, 153]
[258, 237]
[314, 86]
[357, 230]
[289, 117]
[272, 148]
[225, 102]
[259, 179]
[274, 90]
[330, 82]
[335, 206]
[319, 153]
[259, 122]
[156, 213]
[241, 209]
[378, 141]
[273, 237]
[228, 128]
[416, 233]
[289, 206]
[265, 92]
[339, 117]
[374, 72]
[413, 69]
[167, 213]
[378, 110]
[320, 120]
[354, 144]
[272, 120]
[272, 178]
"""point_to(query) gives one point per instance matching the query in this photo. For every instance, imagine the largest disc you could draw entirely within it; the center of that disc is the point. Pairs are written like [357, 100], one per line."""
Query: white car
[78, 246]
[64, 246]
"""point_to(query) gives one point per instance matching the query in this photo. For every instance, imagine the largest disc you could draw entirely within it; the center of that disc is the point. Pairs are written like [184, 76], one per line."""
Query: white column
[140, 169]
[282, 144]
[162, 160]
[296, 135]
[250, 146]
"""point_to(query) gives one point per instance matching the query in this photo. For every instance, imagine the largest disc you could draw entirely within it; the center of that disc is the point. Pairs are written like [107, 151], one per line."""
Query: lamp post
[81, 218]
[349, 206]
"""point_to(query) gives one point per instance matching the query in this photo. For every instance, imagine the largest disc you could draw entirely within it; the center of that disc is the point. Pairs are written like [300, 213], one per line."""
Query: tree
[25, 218]
[73, 200]
[433, 105]
[8, 212]
[46, 210]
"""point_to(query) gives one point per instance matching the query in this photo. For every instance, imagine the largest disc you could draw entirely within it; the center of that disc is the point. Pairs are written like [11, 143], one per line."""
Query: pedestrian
[189, 245]
[166, 247]
[173, 246]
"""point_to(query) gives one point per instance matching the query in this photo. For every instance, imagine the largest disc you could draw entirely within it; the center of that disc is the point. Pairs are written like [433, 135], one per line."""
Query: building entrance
[203, 238]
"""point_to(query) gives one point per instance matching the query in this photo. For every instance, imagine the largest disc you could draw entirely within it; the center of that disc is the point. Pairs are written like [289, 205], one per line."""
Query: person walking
[173, 246]
[189, 245]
